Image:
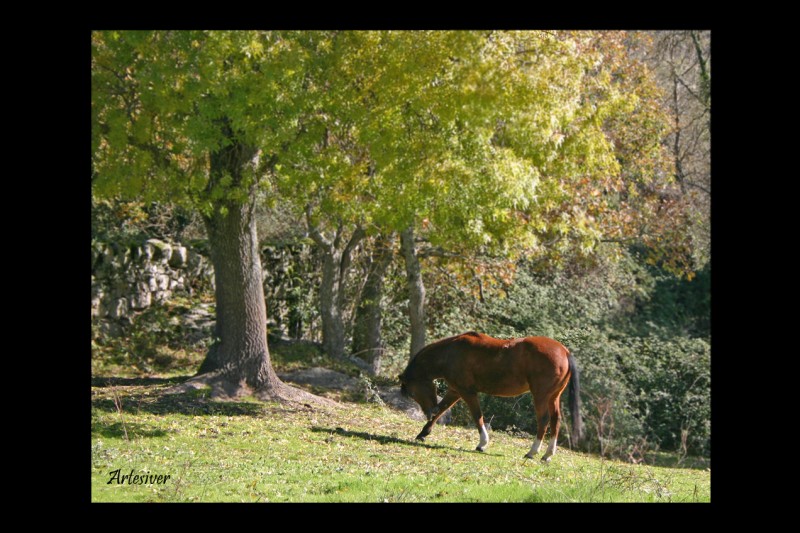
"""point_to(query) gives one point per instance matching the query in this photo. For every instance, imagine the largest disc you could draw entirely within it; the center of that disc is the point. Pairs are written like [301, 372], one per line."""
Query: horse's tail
[575, 401]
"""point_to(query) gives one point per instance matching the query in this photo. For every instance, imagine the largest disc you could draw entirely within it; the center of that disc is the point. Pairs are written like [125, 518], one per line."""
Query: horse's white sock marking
[551, 449]
[484, 438]
[535, 448]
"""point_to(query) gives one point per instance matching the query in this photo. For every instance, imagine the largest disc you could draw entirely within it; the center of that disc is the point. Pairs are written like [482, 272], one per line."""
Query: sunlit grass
[249, 451]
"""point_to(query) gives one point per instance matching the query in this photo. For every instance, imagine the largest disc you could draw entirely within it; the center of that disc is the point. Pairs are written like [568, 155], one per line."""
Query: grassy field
[248, 451]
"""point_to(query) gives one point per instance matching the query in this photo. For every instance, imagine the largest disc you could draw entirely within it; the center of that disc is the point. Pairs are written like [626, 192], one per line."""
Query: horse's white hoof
[479, 448]
[546, 458]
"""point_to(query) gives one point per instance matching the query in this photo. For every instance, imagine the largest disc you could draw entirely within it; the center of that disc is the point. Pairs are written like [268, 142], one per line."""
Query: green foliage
[500, 141]
[651, 388]
[164, 101]
[155, 342]
[134, 222]
[679, 306]
[638, 333]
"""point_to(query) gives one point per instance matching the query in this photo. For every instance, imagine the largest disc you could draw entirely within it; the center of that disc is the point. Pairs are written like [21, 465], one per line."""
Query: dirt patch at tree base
[223, 388]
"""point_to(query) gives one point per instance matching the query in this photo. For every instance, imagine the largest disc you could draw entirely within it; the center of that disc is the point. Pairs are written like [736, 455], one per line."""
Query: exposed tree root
[223, 387]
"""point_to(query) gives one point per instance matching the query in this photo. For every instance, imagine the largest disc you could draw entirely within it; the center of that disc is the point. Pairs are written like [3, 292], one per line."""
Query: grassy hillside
[248, 451]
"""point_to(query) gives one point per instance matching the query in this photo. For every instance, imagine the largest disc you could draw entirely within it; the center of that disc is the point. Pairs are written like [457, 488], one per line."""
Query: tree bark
[676, 145]
[329, 300]
[239, 361]
[416, 290]
[336, 260]
[367, 341]
[240, 351]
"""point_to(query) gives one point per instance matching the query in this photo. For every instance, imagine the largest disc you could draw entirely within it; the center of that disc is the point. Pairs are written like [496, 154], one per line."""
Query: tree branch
[705, 78]
[314, 232]
[698, 186]
[690, 91]
[357, 236]
[337, 236]
[437, 251]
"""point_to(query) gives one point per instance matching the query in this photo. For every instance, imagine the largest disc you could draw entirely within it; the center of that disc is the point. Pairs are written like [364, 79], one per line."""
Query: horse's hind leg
[447, 402]
[542, 419]
[475, 408]
[554, 410]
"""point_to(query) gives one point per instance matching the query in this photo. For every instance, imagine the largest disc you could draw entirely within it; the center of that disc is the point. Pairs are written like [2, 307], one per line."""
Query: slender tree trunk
[676, 144]
[705, 77]
[336, 260]
[416, 290]
[329, 299]
[367, 342]
[295, 318]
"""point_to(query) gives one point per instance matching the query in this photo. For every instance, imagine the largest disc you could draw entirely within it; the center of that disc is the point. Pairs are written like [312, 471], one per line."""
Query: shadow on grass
[673, 460]
[148, 395]
[181, 404]
[120, 430]
[385, 439]
[136, 382]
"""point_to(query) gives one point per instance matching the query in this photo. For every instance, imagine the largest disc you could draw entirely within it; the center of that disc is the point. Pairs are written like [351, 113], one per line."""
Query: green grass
[249, 451]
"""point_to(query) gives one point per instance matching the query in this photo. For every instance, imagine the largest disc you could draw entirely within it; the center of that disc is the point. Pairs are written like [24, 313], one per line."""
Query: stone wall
[127, 279]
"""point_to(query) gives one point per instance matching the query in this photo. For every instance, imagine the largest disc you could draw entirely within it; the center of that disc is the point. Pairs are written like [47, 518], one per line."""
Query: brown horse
[472, 362]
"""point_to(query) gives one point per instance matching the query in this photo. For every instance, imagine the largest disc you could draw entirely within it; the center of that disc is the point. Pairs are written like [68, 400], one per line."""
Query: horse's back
[485, 345]
[504, 367]
[547, 346]
[549, 353]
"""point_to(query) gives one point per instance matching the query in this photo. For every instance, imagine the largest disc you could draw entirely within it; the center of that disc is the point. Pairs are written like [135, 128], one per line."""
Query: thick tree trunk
[416, 291]
[367, 342]
[239, 361]
[240, 352]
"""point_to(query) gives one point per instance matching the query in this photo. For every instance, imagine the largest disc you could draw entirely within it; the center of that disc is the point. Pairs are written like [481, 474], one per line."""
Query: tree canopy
[499, 142]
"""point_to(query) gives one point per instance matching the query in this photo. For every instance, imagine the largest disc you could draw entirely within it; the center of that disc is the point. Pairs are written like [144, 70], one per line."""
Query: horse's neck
[432, 367]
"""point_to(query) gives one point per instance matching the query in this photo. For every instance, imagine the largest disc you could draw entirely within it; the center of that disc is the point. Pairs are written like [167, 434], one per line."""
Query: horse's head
[421, 391]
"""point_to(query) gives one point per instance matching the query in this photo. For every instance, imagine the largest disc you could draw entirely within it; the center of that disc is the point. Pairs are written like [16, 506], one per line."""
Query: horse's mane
[443, 342]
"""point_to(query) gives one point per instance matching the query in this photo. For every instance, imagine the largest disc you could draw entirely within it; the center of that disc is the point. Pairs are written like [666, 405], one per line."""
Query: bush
[155, 342]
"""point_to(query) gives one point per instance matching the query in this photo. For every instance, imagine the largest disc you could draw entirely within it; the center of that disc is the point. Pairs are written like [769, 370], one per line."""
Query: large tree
[200, 118]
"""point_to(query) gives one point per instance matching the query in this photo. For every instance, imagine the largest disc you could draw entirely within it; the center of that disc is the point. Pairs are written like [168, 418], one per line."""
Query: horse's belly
[507, 388]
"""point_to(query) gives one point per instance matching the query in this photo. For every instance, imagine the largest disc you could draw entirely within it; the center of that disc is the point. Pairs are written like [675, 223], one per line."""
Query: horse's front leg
[475, 408]
[447, 402]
